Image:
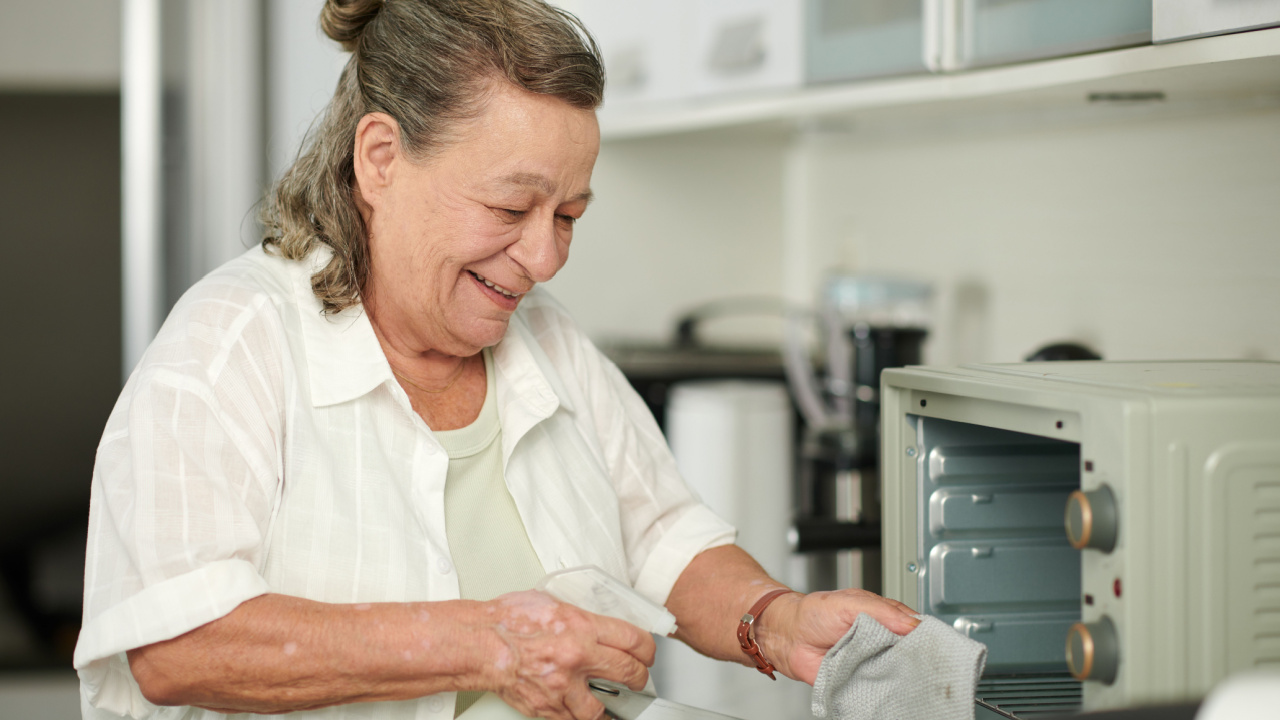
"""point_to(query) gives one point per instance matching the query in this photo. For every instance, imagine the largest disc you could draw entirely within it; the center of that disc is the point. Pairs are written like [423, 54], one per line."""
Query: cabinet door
[999, 31]
[744, 45]
[851, 39]
[1186, 19]
[645, 47]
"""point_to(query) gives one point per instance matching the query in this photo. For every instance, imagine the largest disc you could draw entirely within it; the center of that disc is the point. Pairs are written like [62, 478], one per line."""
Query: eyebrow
[543, 184]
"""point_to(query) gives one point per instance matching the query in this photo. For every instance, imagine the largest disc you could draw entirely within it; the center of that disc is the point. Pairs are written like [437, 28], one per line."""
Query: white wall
[303, 68]
[1156, 237]
[223, 138]
[676, 222]
[65, 45]
[1150, 239]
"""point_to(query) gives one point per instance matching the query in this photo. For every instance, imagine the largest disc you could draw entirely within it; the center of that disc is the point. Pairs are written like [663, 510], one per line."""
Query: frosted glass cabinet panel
[1000, 31]
[851, 39]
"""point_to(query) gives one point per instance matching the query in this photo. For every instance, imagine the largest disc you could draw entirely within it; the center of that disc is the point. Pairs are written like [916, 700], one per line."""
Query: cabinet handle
[942, 35]
[739, 46]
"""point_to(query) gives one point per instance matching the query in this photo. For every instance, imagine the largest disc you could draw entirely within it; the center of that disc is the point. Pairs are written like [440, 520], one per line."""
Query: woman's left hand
[796, 631]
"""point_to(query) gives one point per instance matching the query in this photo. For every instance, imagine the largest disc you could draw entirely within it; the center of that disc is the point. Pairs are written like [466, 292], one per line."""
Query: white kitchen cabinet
[746, 45]
[1184, 19]
[855, 39]
[1209, 70]
[645, 48]
[1124, 198]
[990, 32]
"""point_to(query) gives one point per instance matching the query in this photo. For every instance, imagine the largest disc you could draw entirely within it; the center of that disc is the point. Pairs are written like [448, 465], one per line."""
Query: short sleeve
[184, 488]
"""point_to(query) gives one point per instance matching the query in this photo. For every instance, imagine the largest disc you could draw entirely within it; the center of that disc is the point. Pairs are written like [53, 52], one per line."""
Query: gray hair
[427, 64]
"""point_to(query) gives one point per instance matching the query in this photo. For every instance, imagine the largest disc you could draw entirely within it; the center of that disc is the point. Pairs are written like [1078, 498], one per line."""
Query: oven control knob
[1093, 651]
[1091, 519]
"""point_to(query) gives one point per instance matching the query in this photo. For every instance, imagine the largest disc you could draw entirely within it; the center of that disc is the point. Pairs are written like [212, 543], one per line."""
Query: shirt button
[435, 703]
[444, 566]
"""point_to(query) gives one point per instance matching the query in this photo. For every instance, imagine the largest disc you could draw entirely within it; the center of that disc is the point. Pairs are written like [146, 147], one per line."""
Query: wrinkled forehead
[521, 141]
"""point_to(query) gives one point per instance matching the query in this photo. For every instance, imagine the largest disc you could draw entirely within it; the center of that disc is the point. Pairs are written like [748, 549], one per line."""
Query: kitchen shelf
[1241, 67]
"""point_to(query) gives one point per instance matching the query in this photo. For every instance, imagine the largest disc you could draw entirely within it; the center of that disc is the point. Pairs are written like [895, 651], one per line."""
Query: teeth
[499, 288]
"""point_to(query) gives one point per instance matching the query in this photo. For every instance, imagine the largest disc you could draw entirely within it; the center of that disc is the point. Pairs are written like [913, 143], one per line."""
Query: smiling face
[456, 240]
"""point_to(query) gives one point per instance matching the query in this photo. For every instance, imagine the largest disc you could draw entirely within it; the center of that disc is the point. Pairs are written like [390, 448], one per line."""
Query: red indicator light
[1115, 587]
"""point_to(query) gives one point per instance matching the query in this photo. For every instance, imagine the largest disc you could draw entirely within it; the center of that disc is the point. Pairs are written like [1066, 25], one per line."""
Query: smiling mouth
[497, 288]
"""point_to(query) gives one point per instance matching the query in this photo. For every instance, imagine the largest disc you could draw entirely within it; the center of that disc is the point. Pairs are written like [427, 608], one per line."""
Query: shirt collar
[344, 359]
[529, 388]
[525, 373]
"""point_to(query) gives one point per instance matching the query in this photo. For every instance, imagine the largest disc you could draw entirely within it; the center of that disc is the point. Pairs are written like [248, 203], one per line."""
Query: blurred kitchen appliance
[1165, 577]
[1185, 19]
[869, 324]
[653, 368]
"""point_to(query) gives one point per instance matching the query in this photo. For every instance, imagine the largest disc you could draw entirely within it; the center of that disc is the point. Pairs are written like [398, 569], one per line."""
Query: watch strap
[745, 638]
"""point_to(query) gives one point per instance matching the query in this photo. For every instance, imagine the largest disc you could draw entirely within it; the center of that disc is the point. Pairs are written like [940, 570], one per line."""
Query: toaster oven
[1110, 530]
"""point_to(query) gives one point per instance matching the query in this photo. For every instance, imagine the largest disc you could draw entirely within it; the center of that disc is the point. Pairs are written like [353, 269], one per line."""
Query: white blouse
[261, 446]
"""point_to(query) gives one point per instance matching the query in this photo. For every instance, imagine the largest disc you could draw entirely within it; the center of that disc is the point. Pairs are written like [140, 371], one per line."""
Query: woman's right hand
[547, 650]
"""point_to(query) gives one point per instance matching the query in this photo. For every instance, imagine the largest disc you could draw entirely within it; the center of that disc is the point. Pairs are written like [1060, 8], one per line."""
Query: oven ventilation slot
[1029, 696]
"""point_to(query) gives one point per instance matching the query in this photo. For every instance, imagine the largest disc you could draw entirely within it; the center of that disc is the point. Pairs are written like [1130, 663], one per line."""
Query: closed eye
[510, 214]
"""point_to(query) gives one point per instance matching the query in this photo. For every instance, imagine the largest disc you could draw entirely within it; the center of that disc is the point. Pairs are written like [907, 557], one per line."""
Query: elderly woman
[350, 454]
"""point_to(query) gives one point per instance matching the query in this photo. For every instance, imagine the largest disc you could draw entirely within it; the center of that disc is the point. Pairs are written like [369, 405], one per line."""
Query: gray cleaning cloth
[874, 674]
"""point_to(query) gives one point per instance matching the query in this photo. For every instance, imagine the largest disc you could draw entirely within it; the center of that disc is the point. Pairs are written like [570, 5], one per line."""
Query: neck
[418, 362]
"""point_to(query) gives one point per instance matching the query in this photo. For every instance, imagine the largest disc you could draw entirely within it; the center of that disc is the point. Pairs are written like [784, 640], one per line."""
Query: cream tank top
[490, 546]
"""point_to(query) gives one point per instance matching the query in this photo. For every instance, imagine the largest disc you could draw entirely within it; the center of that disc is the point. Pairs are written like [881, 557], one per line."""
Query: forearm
[277, 653]
[795, 631]
[712, 594]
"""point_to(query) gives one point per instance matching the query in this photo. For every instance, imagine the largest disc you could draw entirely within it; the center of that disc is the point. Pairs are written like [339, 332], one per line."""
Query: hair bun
[345, 20]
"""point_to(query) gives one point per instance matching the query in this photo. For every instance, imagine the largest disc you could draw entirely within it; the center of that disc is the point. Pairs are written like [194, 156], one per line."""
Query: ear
[377, 150]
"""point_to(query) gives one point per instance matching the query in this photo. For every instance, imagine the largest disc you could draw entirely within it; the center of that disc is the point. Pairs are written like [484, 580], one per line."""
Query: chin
[483, 333]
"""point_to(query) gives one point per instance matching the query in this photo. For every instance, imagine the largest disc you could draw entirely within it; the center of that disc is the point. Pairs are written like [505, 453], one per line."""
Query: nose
[539, 250]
